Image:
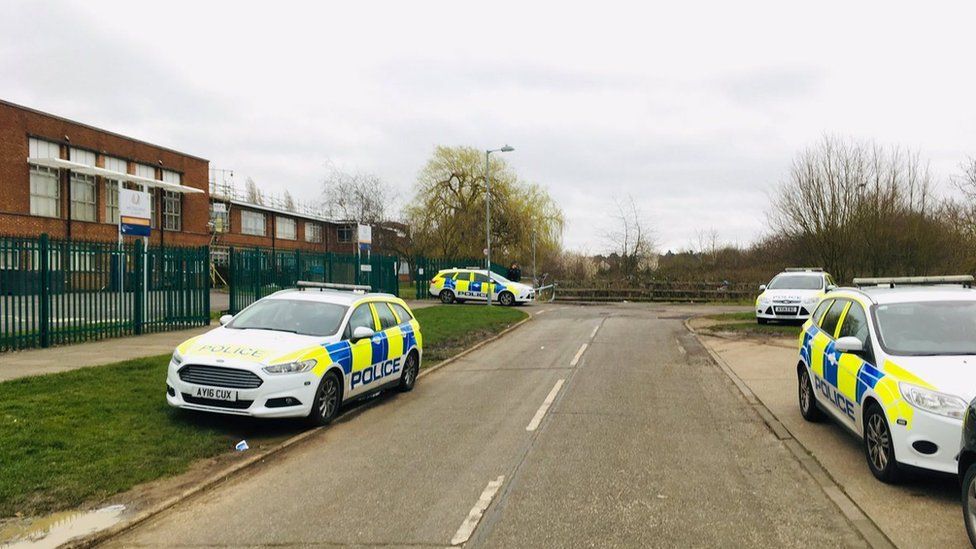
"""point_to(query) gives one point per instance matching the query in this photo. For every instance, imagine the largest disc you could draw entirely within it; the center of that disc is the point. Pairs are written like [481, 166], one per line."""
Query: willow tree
[447, 213]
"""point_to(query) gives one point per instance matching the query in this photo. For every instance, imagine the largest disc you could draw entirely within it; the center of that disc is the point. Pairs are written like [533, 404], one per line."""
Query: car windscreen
[796, 282]
[291, 315]
[500, 279]
[928, 327]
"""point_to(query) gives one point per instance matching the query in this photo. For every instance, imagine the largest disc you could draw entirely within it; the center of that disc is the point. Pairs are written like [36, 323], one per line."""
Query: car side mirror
[362, 332]
[831, 287]
[762, 287]
[849, 344]
[225, 319]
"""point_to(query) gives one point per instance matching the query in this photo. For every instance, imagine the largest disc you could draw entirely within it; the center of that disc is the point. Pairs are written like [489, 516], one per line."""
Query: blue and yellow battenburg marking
[368, 361]
[833, 378]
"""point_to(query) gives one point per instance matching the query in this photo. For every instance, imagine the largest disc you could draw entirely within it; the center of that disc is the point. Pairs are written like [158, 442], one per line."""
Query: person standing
[514, 273]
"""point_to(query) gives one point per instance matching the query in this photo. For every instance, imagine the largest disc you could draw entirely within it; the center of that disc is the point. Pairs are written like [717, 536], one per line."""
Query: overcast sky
[694, 108]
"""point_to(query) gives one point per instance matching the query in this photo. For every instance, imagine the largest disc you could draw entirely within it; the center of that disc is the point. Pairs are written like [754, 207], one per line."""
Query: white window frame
[172, 211]
[41, 176]
[313, 232]
[250, 224]
[83, 209]
[112, 188]
[284, 223]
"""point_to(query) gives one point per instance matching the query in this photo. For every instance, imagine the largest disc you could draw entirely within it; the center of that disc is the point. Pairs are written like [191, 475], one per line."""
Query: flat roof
[109, 132]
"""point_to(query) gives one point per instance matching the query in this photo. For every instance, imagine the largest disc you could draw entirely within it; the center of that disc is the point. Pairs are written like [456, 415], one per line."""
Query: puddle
[57, 528]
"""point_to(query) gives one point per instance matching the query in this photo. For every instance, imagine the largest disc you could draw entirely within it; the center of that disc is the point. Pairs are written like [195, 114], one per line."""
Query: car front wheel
[969, 502]
[506, 299]
[879, 448]
[328, 398]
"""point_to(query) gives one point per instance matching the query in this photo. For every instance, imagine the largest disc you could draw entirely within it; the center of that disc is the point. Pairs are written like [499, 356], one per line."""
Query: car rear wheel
[447, 297]
[328, 398]
[808, 401]
[411, 367]
[506, 299]
[969, 502]
[879, 448]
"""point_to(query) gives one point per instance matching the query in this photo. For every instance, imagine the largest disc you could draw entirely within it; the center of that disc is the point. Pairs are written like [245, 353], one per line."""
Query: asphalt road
[644, 443]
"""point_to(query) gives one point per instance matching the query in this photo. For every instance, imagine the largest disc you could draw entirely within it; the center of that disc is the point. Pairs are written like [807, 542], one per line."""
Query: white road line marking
[681, 348]
[595, 330]
[540, 312]
[474, 516]
[579, 354]
[541, 412]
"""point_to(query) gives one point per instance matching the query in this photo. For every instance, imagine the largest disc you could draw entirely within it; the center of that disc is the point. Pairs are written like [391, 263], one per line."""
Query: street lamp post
[506, 149]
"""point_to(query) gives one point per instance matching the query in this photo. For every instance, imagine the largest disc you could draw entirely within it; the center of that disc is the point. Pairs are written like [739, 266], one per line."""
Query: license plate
[786, 310]
[214, 393]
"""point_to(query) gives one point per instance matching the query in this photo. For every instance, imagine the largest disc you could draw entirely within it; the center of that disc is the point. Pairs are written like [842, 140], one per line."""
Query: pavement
[591, 425]
[924, 511]
[33, 362]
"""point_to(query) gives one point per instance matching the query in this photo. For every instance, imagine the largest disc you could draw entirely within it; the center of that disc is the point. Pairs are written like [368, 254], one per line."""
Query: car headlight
[177, 358]
[291, 367]
[763, 299]
[933, 401]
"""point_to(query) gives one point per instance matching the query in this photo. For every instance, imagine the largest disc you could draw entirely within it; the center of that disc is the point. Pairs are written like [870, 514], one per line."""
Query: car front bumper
[769, 312]
[269, 400]
[924, 430]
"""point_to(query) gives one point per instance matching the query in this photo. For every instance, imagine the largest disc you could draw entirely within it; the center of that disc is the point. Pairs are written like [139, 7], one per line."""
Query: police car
[894, 361]
[299, 353]
[792, 294]
[458, 285]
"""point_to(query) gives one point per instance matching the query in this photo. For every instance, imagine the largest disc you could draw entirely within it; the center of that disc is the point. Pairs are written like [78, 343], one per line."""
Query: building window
[219, 217]
[220, 255]
[253, 223]
[346, 233]
[111, 201]
[37, 148]
[313, 232]
[149, 173]
[82, 197]
[286, 228]
[172, 211]
[45, 192]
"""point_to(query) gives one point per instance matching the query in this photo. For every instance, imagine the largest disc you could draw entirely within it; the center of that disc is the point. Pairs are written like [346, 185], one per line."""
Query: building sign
[364, 234]
[135, 212]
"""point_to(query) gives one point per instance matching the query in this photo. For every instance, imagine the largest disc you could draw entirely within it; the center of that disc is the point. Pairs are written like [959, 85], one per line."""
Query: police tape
[546, 287]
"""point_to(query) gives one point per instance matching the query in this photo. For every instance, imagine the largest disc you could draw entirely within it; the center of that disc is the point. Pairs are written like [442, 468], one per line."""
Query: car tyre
[969, 502]
[328, 399]
[879, 448]
[506, 298]
[807, 398]
[762, 321]
[411, 368]
[447, 297]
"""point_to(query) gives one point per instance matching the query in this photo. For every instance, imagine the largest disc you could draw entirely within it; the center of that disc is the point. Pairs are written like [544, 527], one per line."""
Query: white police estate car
[792, 294]
[894, 361]
[299, 353]
[457, 285]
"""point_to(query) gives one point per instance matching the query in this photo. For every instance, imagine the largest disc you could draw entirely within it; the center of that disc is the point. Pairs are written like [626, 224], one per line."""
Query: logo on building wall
[135, 212]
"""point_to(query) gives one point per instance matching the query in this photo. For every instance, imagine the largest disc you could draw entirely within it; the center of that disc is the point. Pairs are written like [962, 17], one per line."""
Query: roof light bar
[803, 270]
[302, 284]
[965, 280]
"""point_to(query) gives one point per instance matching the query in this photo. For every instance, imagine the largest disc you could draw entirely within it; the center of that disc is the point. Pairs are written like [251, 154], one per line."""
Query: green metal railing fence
[54, 292]
[257, 272]
[424, 269]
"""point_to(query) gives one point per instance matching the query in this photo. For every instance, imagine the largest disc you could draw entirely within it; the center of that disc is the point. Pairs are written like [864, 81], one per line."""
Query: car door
[362, 350]
[462, 283]
[826, 367]
[388, 368]
[852, 366]
[480, 286]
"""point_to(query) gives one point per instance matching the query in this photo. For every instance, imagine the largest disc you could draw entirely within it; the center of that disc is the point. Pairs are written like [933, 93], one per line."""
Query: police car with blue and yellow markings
[459, 285]
[299, 353]
[894, 361]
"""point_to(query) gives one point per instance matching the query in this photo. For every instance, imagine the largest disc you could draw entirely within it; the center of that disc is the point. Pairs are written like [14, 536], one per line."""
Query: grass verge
[87, 434]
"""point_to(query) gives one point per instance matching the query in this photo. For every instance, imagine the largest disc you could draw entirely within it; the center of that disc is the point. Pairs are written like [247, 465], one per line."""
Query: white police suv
[894, 361]
[458, 285]
[299, 353]
[792, 294]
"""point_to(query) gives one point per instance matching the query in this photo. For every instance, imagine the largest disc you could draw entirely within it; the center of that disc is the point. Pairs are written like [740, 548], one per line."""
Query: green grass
[87, 434]
[752, 328]
[448, 329]
[741, 316]
[408, 290]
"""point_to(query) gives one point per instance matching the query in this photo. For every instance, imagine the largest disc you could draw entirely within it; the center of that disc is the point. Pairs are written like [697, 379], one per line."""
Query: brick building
[62, 177]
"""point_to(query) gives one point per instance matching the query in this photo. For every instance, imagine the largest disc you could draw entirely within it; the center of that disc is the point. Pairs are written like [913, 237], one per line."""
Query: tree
[630, 238]
[447, 213]
[253, 192]
[357, 196]
[288, 201]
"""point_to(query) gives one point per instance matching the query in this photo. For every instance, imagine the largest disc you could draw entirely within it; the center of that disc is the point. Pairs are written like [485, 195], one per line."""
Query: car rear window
[383, 310]
[401, 312]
